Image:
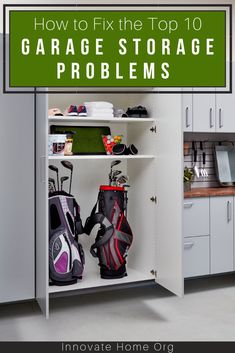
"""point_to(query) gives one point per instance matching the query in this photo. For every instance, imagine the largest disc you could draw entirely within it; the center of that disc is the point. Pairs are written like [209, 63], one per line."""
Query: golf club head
[116, 173]
[62, 179]
[50, 187]
[51, 180]
[114, 176]
[67, 165]
[123, 179]
[116, 162]
[54, 168]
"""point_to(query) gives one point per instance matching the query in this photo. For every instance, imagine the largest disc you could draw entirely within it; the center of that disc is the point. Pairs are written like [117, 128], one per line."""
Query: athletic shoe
[72, 110]
[82, 110]
[55, 112]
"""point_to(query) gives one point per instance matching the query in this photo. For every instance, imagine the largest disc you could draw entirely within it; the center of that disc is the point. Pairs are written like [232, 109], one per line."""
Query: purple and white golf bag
[66, 257]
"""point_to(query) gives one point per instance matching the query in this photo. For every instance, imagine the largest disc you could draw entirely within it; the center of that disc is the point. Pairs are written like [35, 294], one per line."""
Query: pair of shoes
[137, 112]
[74, 111]
[121, 149]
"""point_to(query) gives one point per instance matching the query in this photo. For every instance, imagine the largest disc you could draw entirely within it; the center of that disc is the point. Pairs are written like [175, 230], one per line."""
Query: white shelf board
[77, 119]
[93, 280]
[101, 157]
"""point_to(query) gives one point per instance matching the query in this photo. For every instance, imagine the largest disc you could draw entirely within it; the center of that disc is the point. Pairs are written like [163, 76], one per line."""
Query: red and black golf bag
[114, 237]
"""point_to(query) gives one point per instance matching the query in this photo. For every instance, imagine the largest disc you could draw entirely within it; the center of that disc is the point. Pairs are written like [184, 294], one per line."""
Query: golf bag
[114, 236]
[66, 257]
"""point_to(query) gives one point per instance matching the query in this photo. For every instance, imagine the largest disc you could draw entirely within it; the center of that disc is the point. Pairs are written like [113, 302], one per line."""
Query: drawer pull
[187, 117]
[188, 204]
[189, 245]
[229, 211]
[211, 118]
[220, 118]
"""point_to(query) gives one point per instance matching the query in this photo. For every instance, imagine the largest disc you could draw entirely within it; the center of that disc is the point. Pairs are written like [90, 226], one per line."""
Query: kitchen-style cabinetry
[221, 222]
[196, 230]
[209, 112]
[208, 230]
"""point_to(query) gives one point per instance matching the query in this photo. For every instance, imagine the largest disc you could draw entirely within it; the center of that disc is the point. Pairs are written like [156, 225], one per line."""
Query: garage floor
[207, 312]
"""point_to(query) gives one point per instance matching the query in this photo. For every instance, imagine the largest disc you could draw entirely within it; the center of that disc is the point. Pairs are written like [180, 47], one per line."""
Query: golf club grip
[204, 158]
[195, 156]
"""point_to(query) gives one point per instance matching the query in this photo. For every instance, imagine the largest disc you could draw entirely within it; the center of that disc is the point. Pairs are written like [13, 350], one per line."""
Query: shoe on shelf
[72, 110]
[82, 110]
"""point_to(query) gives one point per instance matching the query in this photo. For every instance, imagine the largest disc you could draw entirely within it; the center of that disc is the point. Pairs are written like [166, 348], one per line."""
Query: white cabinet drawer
[196, 217]
[196, 256]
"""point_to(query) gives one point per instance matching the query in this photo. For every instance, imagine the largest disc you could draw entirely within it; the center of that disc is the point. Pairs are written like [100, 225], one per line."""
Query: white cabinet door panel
[169, 251]
[221, 234]
[225, 110]
[204, 112]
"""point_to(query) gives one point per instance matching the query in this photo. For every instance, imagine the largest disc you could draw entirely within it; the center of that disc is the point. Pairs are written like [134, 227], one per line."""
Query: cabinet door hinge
[154, 273]
[153, 129]
[153, 199]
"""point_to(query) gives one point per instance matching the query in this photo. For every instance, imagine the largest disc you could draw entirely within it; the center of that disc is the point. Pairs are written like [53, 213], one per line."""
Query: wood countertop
[205, 192]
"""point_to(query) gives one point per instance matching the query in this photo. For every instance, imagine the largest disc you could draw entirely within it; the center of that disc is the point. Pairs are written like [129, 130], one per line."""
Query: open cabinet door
[169, 187]
[42, 295]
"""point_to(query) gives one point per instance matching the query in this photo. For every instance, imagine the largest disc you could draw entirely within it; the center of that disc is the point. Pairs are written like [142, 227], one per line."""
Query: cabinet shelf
[69, 119]
[92, 279]
[101, 157]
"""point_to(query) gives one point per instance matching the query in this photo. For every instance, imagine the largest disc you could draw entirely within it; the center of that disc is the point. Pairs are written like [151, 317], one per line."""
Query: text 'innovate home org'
[104, 48]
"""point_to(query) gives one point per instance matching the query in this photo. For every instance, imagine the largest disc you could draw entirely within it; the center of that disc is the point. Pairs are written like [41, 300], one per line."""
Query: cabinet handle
[211, 118]
[220, 118]
[229, 211]
[188, 204]
[187, 117]
[188, 245]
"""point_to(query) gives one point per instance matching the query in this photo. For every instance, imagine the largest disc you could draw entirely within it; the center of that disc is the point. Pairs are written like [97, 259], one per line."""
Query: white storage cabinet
[208, 230]
[222, 249]
[196, 230]
[209, 112]
[155, 198]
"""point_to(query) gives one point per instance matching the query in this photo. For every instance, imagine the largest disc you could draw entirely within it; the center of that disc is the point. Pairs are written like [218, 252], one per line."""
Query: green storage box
[86, 139]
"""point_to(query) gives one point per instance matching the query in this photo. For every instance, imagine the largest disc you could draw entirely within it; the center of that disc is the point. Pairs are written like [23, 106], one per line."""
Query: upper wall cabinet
[204, 112]
[209, 112]
[225, 110]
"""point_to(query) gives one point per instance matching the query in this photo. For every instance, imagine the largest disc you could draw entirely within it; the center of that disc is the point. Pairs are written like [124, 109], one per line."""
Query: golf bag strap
[89, 222]
[107, 234]
[97, 218]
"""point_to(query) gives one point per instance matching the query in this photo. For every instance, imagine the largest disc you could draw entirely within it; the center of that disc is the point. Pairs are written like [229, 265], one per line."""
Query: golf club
[122, 180]
[114, 176]
[55, 169]
[62, 179]
[69, 166]
[52, 181]
[113, 163]
[50, 187]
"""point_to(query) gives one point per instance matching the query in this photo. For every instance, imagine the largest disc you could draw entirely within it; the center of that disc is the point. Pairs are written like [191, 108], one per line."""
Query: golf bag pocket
[114, 237]
[66, 257]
